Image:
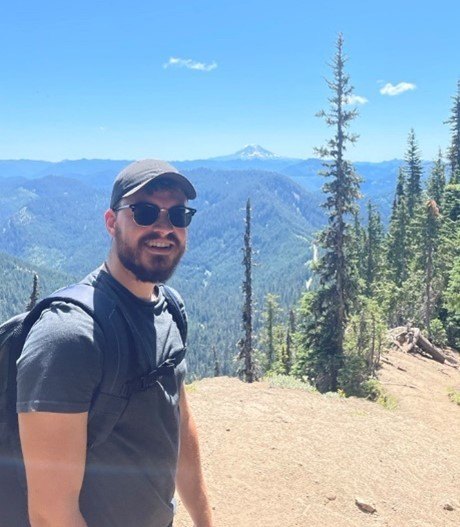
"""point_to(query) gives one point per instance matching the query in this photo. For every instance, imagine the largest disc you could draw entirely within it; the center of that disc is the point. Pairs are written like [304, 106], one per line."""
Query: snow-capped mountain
[249, 153]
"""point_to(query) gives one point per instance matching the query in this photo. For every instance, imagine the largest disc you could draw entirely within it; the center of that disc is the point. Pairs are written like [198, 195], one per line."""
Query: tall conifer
[397, 239]
[454, 125]
[246, 354]
[324, 339]
[437, 181]
[414, 172]
[373, 250]
[34, 294]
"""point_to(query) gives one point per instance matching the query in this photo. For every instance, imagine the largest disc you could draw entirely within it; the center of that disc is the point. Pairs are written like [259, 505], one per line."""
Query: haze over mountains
[51, 218]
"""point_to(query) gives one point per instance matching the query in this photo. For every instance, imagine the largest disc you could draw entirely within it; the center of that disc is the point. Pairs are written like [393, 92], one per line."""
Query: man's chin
[154, 277]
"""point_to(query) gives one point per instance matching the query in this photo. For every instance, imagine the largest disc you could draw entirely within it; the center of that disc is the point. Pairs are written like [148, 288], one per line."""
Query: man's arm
[54, 450]
[190, 480]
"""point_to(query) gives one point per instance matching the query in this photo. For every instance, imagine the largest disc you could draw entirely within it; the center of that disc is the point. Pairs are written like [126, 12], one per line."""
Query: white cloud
[391, 89]
[356, 99]
[189, 64]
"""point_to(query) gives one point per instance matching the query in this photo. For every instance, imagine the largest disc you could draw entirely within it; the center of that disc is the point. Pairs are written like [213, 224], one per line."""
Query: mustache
[154, 236]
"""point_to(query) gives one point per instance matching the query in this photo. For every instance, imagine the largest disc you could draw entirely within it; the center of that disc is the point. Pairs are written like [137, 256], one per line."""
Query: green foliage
[373, 251]
[454, 125]
[437, 181]
[364, 341]
[413, 171]
[397, 242]
[247, 368]
[34, 294]
[16, 278]
[271, 337]
[452, 303]
[438, 334]
[376, 392]
[454, 395]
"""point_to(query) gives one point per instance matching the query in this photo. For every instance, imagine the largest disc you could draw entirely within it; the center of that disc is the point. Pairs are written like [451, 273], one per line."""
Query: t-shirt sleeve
[60, 366]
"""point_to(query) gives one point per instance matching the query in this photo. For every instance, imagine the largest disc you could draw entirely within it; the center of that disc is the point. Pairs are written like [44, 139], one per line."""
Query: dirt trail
[281, 457]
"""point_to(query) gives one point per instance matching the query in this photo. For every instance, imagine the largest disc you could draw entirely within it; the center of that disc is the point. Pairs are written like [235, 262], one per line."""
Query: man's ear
[110, 217]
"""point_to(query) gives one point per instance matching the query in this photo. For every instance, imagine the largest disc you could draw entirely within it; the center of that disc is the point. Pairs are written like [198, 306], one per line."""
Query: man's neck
[144, 290]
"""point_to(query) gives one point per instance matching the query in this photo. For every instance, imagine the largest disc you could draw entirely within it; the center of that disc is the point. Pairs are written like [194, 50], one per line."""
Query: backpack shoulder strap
[177, 310]
[108, 404]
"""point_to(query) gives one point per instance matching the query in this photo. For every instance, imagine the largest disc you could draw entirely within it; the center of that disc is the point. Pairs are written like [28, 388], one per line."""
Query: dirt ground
[285, 457]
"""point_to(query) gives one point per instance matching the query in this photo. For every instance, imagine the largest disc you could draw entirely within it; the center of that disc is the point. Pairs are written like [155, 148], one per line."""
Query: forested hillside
[16, 281]
[371, 278]
[57, 223]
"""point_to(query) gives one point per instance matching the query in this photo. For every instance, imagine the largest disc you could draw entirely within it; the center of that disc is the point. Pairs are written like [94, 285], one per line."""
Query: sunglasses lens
[145, 214]
[180, 216]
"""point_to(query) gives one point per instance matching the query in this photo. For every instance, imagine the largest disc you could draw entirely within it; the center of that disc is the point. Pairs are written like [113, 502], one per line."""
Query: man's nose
[163, 222]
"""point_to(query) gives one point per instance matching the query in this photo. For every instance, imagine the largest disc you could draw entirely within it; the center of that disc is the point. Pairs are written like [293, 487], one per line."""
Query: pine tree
[414, 172]
[34, 294]
[356, 250]
[323, 352]
[270, 316]
[216, 363]
[246, 353]
[373, 250]
[454, 122]
[429, 263]
[288, 357]
[437, 181]
[397, 239]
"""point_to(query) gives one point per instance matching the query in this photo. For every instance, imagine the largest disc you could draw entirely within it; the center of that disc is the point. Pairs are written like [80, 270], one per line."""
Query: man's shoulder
[169, 292]
[64, 322]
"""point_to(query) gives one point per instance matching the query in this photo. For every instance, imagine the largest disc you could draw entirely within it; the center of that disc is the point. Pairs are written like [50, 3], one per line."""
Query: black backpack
[107, 405]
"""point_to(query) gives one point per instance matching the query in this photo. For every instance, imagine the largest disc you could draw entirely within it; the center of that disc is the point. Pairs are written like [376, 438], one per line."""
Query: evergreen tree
[414, 171]
[216, 363]
[323, 340]
[437, 181]
[271, 320]
[450, 228]
[373, 250]
[454, 122]
[452, 298]
[397, 239]
[246, 354]
[34, 294]
[430, 239]
[356, 250]
[288, 357]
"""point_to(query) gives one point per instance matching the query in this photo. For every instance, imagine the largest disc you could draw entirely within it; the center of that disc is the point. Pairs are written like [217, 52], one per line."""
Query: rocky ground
[287, 457]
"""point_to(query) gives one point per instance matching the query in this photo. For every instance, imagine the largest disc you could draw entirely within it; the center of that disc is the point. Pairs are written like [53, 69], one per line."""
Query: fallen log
[410, 340]
[430, 348]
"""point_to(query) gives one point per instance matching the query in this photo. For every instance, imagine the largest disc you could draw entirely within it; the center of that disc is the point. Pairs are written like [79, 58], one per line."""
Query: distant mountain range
[378, 179]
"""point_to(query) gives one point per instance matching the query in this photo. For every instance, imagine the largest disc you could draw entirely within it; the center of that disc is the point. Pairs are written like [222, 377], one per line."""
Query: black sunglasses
[145, 214]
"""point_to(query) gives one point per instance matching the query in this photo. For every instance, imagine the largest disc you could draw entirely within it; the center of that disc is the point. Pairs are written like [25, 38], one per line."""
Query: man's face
[151, 253]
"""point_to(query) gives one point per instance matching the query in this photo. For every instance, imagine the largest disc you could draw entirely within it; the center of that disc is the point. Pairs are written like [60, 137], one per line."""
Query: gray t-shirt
[129, 478]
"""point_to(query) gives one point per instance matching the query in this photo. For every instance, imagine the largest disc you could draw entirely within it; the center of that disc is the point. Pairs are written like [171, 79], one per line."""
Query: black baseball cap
[137, 174]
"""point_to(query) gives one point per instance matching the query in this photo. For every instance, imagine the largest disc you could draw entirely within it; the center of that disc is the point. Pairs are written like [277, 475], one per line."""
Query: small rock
[227, 429]
[448, 507]
[331, 497]
[365, 506]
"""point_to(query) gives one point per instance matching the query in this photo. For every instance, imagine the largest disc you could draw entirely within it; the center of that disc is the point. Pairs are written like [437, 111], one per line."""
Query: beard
[156, 267]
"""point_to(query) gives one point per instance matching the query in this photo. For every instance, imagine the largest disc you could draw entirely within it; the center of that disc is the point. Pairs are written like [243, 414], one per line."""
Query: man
[128, 480]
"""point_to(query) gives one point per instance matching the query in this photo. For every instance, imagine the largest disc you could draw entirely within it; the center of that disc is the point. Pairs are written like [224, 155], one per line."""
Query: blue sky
[196, 79]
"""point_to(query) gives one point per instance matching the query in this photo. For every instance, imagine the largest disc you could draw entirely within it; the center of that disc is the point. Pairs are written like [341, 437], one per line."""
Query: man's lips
[159, 245]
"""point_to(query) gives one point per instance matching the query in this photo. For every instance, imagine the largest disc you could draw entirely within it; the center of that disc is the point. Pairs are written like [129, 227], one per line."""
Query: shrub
[454, 395]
